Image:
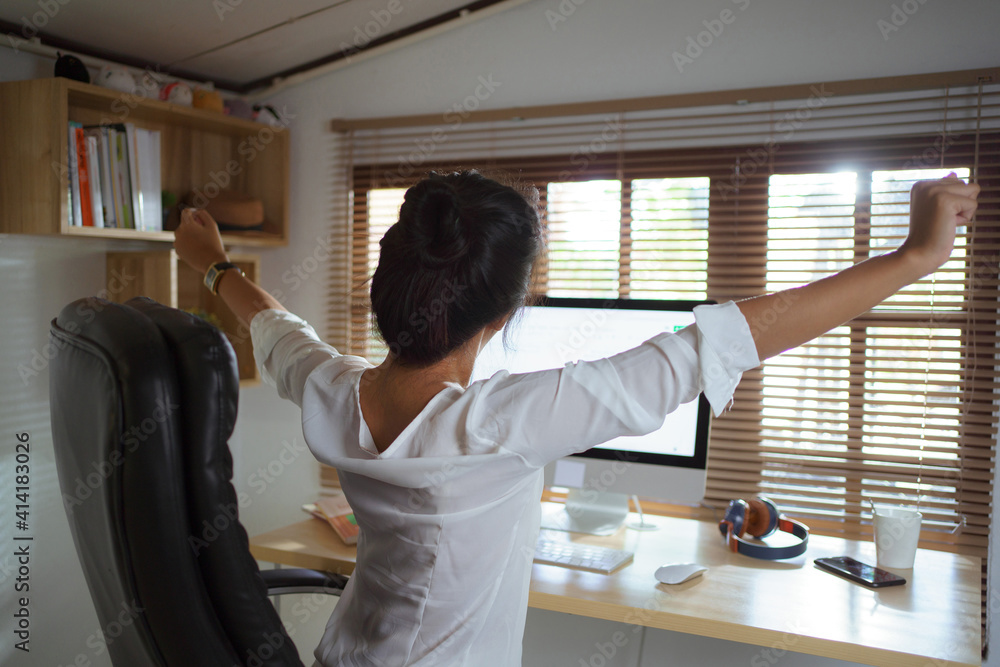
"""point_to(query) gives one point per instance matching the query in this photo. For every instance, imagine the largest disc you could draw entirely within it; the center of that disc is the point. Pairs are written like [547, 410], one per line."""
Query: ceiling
[238, 44]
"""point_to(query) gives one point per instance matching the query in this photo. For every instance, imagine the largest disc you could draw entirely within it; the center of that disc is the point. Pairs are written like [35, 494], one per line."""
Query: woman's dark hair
[459, 258]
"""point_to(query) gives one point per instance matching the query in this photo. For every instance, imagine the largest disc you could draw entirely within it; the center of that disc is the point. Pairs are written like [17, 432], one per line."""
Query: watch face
[214, 274]
[211, 277]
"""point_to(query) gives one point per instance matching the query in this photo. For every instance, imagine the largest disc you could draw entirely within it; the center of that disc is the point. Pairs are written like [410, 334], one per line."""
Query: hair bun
[432, 219]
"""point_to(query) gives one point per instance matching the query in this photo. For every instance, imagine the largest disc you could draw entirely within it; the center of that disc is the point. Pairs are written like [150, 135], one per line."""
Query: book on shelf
[337, 512]
[119, 152]
[75, 210]
[115, 177]
[93, 167]
[99, 135]
[133, 174]
[147, 151]
[83, 172]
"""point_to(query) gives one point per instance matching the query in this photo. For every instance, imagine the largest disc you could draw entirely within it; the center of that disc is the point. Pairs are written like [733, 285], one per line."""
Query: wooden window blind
[730, 201]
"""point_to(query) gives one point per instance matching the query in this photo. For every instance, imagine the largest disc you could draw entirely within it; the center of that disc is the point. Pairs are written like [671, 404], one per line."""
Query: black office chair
[143, 401]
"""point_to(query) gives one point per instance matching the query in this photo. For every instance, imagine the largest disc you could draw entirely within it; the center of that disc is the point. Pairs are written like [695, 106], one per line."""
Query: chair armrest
[296, 580]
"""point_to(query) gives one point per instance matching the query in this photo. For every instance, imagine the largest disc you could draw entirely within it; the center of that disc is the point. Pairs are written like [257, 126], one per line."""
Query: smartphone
[862, 573]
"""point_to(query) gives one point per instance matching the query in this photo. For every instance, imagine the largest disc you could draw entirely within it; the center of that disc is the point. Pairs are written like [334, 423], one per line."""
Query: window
[584, 238]
[646, 241]
[380, 212]
[669, 238]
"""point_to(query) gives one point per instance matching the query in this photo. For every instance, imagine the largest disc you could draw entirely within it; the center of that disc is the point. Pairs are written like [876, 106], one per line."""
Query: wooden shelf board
[96, 97]
[229, 238]
[249, 239]
[116, 233]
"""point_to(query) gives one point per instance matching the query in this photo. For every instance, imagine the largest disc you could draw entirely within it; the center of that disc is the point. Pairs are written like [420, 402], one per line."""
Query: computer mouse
[678, 573]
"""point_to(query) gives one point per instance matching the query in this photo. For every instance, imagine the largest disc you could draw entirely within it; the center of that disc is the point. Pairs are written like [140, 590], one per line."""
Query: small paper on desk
[336, 511]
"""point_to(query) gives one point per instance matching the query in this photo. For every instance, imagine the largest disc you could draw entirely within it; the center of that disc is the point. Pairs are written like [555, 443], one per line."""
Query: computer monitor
[668, 464]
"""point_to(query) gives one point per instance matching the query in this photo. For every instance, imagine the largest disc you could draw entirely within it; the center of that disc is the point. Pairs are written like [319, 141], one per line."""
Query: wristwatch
[214, 275]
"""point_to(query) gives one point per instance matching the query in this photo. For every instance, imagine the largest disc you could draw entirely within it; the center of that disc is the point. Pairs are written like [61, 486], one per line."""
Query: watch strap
[214, 275]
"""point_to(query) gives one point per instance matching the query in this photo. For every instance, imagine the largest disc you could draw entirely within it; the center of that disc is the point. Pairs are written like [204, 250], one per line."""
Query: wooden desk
[932, 621]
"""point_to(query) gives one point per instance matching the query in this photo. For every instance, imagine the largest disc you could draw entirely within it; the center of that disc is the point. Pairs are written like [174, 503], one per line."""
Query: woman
[444, 476]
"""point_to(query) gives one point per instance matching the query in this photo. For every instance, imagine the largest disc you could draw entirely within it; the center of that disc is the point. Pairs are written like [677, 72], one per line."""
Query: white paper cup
[897, 531]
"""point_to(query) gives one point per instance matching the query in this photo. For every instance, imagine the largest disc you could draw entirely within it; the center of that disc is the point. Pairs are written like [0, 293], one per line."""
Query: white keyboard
[603, 560]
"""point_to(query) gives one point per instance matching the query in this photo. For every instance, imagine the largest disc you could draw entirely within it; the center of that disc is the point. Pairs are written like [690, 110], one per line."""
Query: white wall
[602, 50]
[608, 50]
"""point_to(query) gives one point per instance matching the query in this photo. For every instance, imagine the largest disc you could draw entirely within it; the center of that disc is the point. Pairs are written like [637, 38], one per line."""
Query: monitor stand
[587, 511]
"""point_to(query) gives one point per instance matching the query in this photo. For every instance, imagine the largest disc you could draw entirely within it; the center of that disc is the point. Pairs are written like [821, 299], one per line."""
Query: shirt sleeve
[287, 350]
[549, 414]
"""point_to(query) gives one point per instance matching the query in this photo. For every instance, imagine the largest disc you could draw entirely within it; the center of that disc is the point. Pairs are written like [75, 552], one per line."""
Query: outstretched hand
[197, 240]
[781, 321]
[937, 208]
[198, 243]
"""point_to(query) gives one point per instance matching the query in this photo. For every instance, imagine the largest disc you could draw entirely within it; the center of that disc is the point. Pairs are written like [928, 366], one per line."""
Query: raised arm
[786, 319]
[285, 347]
[198, 243]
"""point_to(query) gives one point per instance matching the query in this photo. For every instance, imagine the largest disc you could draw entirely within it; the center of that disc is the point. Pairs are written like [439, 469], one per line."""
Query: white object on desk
[897, 532]
[641, 524]
[678, 573]
[602, 560]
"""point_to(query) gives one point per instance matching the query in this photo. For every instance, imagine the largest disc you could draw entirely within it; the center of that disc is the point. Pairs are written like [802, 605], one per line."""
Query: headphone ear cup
[735, 519]
[763, 517]
[775, 514]
[757, 523]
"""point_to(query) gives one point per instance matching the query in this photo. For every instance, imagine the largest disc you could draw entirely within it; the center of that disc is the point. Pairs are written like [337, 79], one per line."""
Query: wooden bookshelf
[161, 276]
[200, 151]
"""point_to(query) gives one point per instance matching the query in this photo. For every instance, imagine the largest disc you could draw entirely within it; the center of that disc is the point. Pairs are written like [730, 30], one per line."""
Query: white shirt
[449, 512]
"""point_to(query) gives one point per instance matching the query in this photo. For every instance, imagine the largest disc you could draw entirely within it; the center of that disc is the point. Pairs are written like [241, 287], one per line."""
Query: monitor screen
[560, 331]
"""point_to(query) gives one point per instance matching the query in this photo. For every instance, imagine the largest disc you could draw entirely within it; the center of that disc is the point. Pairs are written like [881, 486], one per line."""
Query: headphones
[760, 517]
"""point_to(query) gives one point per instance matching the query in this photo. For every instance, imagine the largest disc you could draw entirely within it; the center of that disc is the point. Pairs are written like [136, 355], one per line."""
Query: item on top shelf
[71, 67]
[117, 78]
[265, 113]
[177, 92]
[233, 211]
[238, 108]
[148, 86]
[207, 99]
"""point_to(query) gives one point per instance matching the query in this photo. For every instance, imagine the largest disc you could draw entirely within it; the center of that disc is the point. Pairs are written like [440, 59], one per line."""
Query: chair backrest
[143, 401]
